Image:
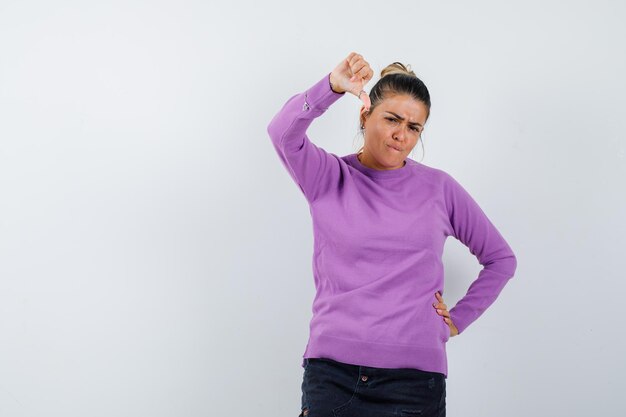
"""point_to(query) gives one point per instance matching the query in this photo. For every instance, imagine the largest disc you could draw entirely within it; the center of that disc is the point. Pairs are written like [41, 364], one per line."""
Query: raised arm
[311, 167]
[308, 164]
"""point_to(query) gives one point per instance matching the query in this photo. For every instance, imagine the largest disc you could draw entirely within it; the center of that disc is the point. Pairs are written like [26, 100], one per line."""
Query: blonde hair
[397, 68]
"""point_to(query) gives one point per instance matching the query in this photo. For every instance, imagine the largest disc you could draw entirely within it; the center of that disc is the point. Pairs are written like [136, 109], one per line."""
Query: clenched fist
[351, 75]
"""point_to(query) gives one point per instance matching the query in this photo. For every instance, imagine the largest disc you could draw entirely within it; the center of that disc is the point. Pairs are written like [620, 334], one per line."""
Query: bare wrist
[333, 85]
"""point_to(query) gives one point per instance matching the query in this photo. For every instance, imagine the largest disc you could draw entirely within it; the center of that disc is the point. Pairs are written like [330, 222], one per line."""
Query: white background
[155, 256]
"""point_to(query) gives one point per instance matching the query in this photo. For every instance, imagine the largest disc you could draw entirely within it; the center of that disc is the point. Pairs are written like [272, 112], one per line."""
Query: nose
[400, 134]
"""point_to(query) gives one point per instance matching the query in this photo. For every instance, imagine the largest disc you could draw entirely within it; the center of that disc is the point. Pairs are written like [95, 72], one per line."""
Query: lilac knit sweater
[378, 242]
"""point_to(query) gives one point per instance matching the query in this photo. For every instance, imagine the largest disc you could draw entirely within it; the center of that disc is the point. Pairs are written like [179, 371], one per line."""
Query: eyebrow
[402, 118]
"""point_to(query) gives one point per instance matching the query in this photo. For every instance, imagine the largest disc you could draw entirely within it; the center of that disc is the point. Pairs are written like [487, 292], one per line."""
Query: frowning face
[392, 130]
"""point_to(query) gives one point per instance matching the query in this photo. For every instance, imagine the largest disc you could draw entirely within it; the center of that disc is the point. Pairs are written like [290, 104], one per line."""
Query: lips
[394, 148]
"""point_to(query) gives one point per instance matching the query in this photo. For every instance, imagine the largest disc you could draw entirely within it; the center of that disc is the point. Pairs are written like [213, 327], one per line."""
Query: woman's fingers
[440, 304]
[442, 310]
[366, 100]
[361, 74]
[360, 69]
[357, 64]
[368, 74]
[353, 58]
[364, 75]
[361, 94]
[444, 313]
[351, 75]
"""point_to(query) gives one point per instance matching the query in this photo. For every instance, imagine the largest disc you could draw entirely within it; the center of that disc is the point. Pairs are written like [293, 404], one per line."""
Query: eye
[391, 119]
[415, 129]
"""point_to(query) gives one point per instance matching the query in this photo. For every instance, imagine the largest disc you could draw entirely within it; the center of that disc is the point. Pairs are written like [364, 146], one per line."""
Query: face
[392, 130]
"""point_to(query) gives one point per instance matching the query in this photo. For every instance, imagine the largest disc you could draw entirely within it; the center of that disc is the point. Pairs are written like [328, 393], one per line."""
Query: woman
[380, 220]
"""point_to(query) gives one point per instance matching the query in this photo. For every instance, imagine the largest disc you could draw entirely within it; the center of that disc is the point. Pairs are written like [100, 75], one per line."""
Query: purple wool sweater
[378, 242]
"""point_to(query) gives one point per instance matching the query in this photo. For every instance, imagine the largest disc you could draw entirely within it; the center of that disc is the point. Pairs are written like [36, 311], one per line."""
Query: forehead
[405, 106]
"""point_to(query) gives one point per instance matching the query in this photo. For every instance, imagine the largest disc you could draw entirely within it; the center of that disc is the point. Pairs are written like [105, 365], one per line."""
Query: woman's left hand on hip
[442, 310]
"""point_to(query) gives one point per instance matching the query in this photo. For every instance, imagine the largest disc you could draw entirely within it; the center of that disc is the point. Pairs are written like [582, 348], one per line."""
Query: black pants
[336, 389]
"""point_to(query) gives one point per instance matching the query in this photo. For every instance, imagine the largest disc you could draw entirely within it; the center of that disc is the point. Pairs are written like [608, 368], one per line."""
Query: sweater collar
[382, 173]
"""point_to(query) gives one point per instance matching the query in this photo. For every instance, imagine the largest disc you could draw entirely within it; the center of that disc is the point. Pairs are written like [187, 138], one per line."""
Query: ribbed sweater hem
[379, 355]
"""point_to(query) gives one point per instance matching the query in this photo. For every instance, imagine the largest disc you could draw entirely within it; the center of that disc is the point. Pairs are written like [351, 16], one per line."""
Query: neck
[362, 156]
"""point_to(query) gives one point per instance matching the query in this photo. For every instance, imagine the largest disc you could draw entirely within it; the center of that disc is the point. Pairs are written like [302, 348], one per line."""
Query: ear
[364, 114]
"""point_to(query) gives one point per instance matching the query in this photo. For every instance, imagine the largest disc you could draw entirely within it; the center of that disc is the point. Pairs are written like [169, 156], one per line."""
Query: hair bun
[397, 68]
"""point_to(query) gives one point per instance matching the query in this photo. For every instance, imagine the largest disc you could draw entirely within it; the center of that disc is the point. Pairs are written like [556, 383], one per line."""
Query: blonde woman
[377, 344]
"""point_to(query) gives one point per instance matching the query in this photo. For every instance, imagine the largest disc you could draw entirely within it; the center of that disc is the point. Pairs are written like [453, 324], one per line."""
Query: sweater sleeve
[310, 166]
[471, 226]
